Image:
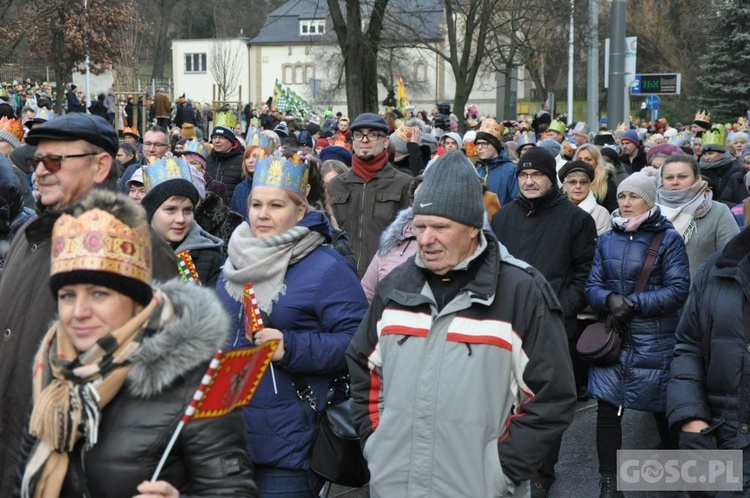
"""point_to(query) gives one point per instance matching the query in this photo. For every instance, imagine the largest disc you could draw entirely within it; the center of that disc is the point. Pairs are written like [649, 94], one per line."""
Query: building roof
[406, 19]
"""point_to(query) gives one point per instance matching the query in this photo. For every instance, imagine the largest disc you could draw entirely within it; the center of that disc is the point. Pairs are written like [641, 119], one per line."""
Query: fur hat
[452, 189]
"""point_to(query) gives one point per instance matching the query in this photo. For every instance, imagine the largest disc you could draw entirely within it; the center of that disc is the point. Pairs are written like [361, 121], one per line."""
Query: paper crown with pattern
[492, 127]
[526, 138]
[277, 171]
[257, 139]
[714, 138]
[44, 113]
[98, 241]
[12, 126]
[131, 130]
[557, 126]
[195, 147]
[702, 116]
[225, 118]
[167, 168]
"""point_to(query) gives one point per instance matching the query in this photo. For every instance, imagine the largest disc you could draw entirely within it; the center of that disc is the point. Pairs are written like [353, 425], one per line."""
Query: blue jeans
[285, 483]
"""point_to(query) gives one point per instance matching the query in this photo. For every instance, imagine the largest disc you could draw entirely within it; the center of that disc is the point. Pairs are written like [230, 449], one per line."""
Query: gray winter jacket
[468, 400]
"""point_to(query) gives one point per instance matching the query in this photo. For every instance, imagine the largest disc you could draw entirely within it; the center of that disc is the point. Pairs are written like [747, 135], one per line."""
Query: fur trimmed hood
[198, 328]
[397, 232]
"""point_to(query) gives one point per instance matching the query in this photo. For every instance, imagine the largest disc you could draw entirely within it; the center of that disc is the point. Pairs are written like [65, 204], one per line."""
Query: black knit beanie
[163, 191]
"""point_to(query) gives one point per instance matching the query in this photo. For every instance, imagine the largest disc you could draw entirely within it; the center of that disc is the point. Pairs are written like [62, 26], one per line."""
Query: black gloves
[620, 307]
[697, 441]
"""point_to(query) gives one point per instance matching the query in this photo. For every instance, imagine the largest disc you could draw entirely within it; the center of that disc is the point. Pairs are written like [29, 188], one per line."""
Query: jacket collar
[388, 171]
[549, 200]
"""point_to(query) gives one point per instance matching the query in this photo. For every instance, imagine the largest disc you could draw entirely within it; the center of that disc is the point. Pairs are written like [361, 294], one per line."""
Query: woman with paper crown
[115, 372]
[311, 301]
[170, 201]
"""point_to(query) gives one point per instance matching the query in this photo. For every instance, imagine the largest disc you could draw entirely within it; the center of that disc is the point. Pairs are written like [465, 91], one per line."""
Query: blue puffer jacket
[319, 313]
[639, 379]
[501, 177]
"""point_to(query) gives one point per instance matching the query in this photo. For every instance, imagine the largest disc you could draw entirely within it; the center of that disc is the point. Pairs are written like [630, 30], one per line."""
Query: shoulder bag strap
[304, 391]
[648, 265]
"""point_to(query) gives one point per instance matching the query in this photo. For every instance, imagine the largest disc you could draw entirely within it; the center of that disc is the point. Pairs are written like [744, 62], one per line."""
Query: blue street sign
[652, 102]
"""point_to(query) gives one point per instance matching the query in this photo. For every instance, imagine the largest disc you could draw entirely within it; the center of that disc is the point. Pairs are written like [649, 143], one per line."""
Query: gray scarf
[263, 261]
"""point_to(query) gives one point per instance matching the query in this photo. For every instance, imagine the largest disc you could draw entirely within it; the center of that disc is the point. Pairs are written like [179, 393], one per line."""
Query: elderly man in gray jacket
[456, 380]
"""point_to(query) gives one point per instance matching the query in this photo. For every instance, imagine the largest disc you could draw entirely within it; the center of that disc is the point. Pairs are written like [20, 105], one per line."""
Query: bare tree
[359, 45]
[225, 64]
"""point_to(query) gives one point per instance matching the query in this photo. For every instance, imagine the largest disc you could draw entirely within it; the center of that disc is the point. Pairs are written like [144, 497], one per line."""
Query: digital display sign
[656, 84]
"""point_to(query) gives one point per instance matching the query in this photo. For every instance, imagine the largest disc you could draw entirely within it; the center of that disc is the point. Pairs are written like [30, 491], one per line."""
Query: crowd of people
[449, 275]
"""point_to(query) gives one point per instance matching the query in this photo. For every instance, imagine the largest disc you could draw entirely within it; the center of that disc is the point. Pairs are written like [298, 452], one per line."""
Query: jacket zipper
[361, 225]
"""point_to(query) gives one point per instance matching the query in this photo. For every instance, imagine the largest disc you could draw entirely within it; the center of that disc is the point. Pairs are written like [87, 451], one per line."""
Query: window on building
[420, 72]
[312, 27]
[195, 63]
[287, 75]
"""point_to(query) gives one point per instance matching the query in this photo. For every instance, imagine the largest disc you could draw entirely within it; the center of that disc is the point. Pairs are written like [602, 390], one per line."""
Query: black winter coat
[711, 365]
[735, 192]
[226, 167]
[25, 314]
[557, 238]
[210, 456]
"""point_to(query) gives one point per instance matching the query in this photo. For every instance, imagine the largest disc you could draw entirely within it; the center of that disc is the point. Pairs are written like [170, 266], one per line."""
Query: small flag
[253, 318]
[186, 267]
[230, 382]
[402, 101]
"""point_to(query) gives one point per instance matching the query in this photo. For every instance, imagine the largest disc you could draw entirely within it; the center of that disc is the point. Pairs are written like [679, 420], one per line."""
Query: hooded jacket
[210, 456]
[13, 214]
[710, 377]
[206, 251]
[318, 313]
[226, 167]
[557, 238]
[397, 244]
[499, 174]
[639, 379]
[465, 401]
[26, 310]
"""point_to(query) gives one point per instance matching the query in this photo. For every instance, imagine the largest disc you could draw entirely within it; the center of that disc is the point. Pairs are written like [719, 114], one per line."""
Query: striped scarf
[69, 391]
[263, 261]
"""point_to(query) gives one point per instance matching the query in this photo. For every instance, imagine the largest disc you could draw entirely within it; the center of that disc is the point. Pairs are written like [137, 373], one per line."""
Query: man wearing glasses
[75, 153]
[367, 198]
[543, 228]
[155, 146]
[494, 165]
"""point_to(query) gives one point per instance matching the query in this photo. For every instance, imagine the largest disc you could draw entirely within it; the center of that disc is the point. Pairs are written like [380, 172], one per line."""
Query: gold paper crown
[622, 127]
[12, 126]
[225, 119]
[98, 241]
[492, 127]
[703, 116]
[167, 168]
[275, 171]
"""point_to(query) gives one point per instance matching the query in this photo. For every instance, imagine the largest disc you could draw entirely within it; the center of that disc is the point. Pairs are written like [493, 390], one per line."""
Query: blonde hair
[602, 171]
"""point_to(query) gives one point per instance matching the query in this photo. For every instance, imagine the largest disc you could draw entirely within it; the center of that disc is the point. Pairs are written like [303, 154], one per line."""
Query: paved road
[577, 471]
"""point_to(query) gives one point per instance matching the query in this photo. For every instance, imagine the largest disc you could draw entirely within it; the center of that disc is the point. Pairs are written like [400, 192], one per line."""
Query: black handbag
[336, 452]
[600, 342]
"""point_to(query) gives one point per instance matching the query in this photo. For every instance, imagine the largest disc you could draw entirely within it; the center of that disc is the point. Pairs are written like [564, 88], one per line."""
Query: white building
[298, 48]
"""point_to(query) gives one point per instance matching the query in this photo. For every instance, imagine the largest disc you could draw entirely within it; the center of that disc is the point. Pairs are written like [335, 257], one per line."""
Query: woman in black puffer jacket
[119, 368]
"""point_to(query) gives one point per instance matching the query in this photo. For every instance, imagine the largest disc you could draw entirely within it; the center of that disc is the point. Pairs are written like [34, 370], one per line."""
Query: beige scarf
[69, 390]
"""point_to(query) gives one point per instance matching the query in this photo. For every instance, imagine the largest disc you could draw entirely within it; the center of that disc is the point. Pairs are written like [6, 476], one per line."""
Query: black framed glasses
[371, 136]
[53, 162]
[154, 144]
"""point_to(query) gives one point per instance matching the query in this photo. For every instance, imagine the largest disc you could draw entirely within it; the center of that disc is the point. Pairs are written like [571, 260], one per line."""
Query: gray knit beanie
[452, 189]
[642, 185]
[550, 146]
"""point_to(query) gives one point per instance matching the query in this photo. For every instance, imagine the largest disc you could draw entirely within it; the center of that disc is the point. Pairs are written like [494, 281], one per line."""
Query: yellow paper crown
[703, 116]
[225, 119]
[715, 137]
[557, 126]
[98, 241]
[492, 127]
[622, 127]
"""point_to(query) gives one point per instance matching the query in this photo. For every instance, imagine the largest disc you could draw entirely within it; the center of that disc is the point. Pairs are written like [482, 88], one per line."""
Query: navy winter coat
[711, 366]
[639, 379]
[500, 175]
[318, 314]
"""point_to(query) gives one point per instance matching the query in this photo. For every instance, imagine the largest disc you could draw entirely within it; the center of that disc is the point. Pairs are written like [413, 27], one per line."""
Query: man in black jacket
[543, 228]
[224, 163]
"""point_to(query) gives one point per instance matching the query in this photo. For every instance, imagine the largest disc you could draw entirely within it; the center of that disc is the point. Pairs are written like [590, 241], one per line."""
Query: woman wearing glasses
[576, 178]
